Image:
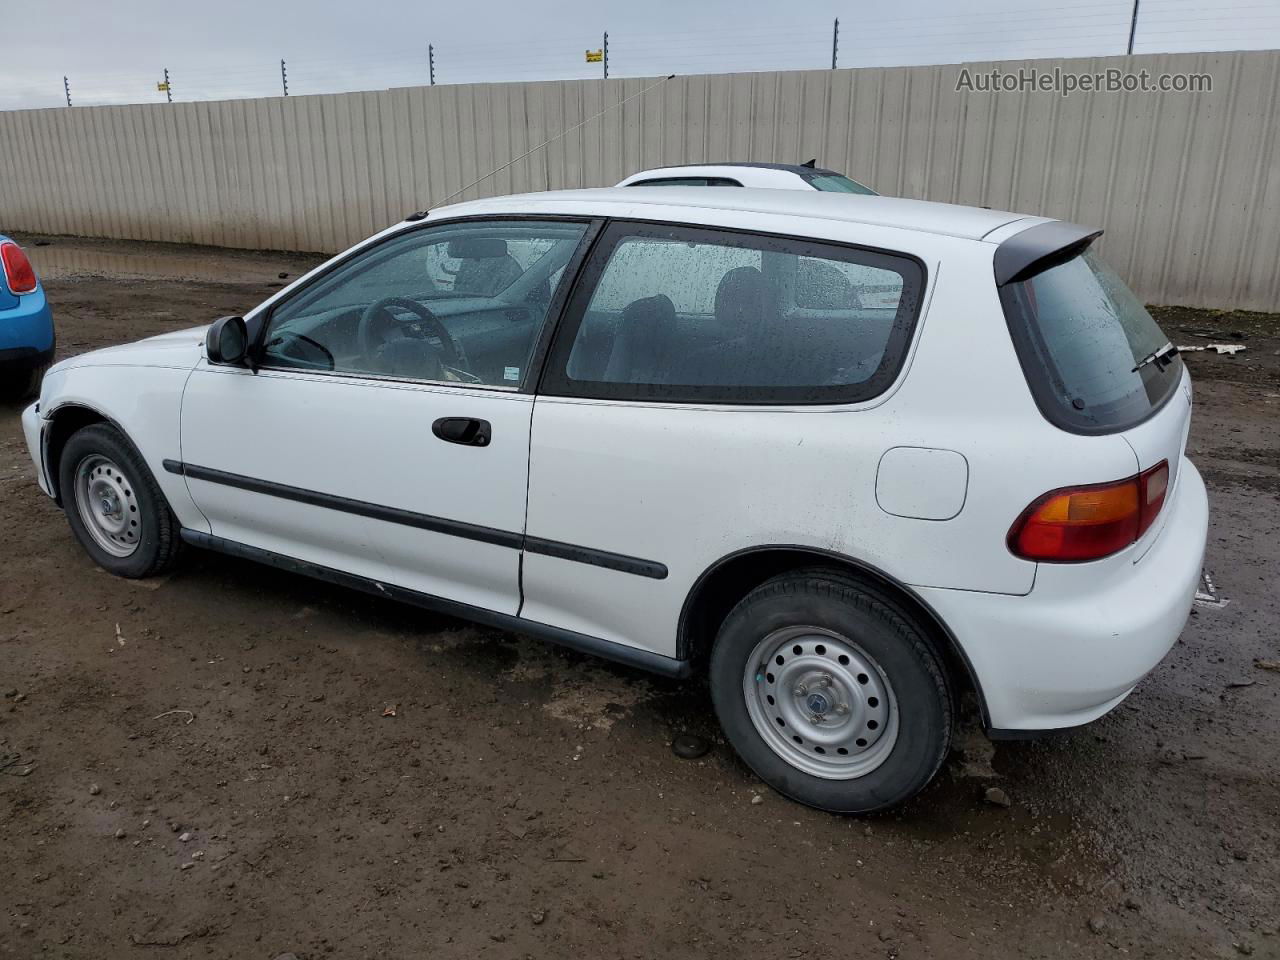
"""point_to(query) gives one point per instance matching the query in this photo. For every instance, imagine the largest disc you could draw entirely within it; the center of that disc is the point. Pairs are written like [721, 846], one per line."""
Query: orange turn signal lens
[1155, 484]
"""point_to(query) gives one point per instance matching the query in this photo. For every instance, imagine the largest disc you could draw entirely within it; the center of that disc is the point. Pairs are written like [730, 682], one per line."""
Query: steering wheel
[377, 320]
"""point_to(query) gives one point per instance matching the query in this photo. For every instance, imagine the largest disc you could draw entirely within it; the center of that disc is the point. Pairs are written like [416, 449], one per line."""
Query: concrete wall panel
[1186, 185]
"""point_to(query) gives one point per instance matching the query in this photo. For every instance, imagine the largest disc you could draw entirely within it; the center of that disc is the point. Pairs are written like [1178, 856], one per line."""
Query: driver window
[458, 303]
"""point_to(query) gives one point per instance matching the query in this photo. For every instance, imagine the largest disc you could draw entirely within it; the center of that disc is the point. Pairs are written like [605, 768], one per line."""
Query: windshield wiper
[1161, 358]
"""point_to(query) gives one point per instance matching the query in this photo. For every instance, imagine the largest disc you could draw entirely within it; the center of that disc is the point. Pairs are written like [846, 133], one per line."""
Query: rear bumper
[26, 330]
[1074, 647]
[20, 360]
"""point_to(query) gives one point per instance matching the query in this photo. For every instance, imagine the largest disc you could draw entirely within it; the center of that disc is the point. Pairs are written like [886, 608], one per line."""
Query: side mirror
[227, 341]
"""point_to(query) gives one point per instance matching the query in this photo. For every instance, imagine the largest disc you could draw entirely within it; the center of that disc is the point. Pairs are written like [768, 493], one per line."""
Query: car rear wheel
[113, 504]
[831, 692]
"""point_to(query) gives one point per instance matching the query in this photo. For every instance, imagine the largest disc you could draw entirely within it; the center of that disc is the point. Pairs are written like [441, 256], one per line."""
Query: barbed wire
[1090, 29]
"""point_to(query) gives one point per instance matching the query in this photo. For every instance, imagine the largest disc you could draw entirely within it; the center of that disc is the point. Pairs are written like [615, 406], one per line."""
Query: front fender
[143, 403]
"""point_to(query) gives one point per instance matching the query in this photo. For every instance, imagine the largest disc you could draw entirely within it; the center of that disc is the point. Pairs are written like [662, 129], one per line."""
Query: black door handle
[464, 430]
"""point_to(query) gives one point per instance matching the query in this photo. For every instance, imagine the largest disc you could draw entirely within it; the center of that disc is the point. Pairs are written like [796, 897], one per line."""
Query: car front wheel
[113, 504]
[831, 692]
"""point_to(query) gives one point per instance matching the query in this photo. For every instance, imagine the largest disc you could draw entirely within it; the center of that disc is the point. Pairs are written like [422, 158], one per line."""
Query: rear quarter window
[692, 314]
[1082, 338]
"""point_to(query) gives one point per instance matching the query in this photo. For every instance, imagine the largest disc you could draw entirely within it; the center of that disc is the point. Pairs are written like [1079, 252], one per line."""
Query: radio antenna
[544, 143]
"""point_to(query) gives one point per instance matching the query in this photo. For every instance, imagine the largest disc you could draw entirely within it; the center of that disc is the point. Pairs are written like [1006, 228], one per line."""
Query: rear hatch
[1096, 361]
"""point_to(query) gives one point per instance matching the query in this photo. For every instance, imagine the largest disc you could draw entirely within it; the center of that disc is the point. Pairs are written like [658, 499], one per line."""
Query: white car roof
[944, 219]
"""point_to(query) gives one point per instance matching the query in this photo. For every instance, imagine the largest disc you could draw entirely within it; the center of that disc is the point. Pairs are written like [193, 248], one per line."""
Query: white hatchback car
[852, 456]
[767, 176]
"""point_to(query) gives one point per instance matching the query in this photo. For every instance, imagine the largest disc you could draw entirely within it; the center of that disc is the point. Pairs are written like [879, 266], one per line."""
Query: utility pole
[1133, 26]
[284, 78]
[835, 42]
[606, 54]
[168, 89]
[66, 88]
[431, 63]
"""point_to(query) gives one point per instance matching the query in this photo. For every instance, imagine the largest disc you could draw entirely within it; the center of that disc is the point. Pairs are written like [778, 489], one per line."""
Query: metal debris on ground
[1267, 665]
[1207, 595]
[1230, 349]
[390, 710]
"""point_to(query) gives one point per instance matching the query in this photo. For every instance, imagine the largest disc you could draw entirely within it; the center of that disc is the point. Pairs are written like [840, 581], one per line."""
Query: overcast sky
[114, 51]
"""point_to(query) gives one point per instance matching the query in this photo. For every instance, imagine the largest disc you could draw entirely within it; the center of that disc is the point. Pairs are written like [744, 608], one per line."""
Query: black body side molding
[629, 656]
[422, 521]
[1038, 248]
[596, 558]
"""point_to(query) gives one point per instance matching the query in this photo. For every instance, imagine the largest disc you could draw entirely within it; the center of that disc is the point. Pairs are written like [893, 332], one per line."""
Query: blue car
[26, 325]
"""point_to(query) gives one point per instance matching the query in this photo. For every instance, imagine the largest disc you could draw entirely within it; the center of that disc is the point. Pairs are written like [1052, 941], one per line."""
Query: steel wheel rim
[107, 506]
[821, 702]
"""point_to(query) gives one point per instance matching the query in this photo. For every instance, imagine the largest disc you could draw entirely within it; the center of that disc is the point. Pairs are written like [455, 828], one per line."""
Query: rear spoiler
[1038, 248]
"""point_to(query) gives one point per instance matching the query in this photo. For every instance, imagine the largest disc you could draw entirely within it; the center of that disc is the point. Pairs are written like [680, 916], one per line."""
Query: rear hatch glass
[1094, 358]
[836, 183]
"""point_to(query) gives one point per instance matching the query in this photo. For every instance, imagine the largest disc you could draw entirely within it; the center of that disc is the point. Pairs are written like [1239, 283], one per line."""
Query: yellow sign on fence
[595, 56]
[162, 86]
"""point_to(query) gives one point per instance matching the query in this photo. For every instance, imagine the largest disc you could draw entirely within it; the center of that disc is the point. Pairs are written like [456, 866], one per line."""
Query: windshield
[836, 183]
[1086, 345]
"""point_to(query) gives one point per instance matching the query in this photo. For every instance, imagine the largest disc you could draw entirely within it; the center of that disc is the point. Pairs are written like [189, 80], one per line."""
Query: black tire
[159, 541]
[21, 384]
[899, 645]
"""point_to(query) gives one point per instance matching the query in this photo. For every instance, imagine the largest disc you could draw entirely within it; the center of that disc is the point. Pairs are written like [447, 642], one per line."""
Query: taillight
[1154, 484]
[1090, 522]
[17, 268]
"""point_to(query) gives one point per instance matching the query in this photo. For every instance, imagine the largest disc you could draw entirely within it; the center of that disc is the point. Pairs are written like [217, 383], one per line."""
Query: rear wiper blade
[1161, 358]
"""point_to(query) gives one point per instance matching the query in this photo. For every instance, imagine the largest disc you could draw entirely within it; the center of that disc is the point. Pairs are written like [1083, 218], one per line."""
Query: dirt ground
[525, 802]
